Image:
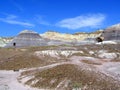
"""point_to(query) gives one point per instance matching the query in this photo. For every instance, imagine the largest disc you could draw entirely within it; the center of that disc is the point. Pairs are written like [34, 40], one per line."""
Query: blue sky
[65, 16]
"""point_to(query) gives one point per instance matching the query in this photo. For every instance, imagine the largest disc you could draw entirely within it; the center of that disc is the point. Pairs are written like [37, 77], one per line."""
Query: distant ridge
[26, 38]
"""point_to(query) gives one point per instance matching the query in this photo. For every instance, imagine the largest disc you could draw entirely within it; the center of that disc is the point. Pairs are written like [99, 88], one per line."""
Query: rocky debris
[57, 53]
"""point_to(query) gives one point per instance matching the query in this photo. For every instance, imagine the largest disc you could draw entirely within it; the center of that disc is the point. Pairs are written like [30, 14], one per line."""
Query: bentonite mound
[27, 38]
[112, 33]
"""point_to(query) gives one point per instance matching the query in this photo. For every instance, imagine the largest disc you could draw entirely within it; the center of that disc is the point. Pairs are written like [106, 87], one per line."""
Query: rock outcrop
[112, 33]
[70, 37]
[4, 41]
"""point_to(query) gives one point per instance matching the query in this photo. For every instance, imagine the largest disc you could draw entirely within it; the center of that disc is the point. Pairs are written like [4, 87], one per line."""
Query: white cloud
[41, 21]
[11, 19]
[91, 20]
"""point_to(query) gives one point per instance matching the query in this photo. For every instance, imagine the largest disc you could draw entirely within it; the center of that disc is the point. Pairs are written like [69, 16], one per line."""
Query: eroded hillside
[70, 37]
[55, 38]
[86, 67]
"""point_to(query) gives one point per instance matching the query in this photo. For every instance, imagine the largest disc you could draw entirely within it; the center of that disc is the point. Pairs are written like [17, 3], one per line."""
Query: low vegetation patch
[70, 76]
[91, 62]
[11, 59]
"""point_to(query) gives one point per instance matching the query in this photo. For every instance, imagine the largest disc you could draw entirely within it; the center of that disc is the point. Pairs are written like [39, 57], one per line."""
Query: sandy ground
[8, 81]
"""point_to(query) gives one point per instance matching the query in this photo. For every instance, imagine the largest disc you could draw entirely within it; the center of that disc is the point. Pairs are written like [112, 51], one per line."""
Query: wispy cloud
[12, 19]
[90, 20]
[17, 5]
[41, 21]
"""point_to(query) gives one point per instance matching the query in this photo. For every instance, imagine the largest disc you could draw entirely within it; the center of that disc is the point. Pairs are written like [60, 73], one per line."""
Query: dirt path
[8, 81]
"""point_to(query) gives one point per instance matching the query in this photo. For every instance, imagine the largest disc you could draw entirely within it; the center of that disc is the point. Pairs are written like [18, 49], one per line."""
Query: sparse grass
[31, 49]
[21, 61]
[6, 53]
[11, 58]
[77, 76]
[91, 62]
[16, 59]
